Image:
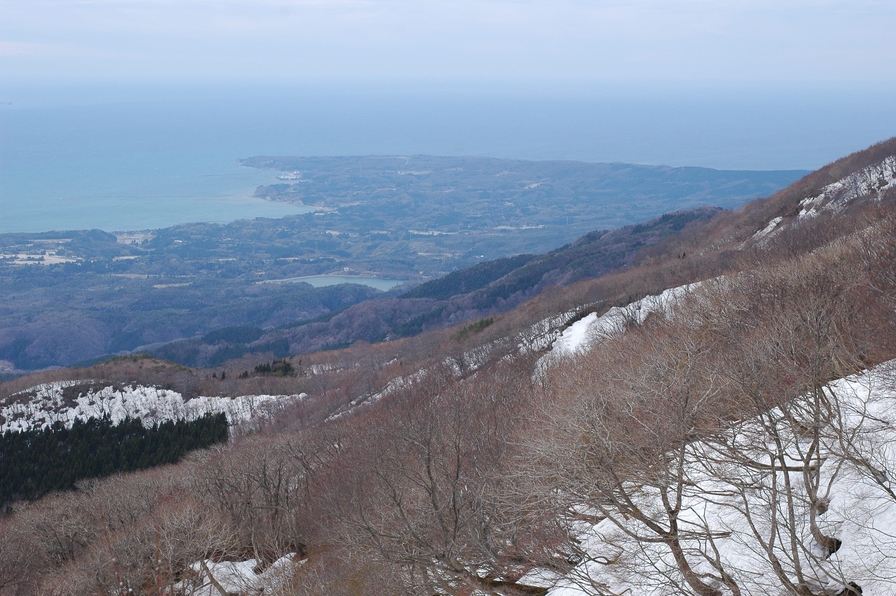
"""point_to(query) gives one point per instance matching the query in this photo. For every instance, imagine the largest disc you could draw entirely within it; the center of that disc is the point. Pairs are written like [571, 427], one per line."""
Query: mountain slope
[483, 290]
[729, 437]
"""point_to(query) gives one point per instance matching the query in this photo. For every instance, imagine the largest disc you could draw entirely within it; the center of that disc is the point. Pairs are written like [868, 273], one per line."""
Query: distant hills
[482, 290]
[471, 204]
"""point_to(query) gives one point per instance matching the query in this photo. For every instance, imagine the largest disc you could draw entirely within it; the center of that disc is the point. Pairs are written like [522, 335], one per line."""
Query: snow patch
[544, 333]
[237, 577]
[834, 197]
[860, 511]
[767, 230]
[581, 335]
[151, 405]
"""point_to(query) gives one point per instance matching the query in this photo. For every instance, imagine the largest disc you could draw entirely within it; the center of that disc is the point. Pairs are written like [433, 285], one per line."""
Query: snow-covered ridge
[47, 405]
[872, 180]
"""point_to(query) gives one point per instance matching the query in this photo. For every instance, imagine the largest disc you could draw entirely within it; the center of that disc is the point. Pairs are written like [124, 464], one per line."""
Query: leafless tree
[723, 403]
[20, 560]
[785, 333]
[423, 499]
[261, 486]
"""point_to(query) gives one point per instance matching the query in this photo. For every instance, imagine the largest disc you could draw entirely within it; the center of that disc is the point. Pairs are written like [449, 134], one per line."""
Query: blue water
[131, 158]
[121, 167]
[321, 281]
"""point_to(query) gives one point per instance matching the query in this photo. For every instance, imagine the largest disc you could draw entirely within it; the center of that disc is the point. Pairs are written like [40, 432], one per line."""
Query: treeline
[278, 368]
[34, 463]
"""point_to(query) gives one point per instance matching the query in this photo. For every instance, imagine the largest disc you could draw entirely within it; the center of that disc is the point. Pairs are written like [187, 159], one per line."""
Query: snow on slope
[48, 405]
[835, 196]
[237, 577]
[544, 333]
[870, 181]
[579, 336]
[551, 333]
[768, 229]
[539, 336]
[860, 512]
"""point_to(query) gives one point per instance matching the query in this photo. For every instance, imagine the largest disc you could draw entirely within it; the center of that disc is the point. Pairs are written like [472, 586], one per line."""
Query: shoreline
[238, 204]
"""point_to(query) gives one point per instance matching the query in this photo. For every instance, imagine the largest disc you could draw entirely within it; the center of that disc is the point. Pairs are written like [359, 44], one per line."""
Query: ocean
[141, 158]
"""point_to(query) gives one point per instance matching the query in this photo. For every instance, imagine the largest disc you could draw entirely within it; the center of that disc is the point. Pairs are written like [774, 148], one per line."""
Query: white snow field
[237, 577]
[150, 404]
[581, 335]
[735, 510]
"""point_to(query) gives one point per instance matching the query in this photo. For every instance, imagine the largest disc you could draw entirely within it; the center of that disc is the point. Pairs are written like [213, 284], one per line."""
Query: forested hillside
[465, 295]
[36, 462]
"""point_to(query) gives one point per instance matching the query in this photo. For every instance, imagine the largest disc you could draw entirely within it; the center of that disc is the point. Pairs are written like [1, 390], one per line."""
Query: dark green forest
[37, 462]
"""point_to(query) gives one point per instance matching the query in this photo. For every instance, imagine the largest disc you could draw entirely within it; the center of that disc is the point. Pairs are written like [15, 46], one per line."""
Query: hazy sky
[294, 41]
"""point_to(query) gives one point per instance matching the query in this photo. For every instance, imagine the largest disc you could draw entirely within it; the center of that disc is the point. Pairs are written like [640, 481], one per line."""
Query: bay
[116, 168]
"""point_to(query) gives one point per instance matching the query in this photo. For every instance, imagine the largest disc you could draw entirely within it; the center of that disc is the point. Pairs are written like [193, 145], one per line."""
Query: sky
[734, 42]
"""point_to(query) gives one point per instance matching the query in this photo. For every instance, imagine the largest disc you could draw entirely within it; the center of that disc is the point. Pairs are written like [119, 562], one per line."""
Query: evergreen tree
[35, 462]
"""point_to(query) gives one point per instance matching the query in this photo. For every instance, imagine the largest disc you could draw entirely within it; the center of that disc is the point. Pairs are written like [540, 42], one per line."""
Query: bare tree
[718, 414]
[787, 331]
[20, 560]
[617, 444]
[423, 498]
[262, 487]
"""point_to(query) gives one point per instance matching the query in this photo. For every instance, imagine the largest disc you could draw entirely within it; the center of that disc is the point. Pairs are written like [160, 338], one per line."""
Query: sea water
[322, 281]
[140, 158]
[122, 167]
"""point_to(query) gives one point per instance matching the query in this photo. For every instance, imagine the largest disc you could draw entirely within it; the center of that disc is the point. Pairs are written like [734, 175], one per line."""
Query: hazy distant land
[70, 296]
[456, 210]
